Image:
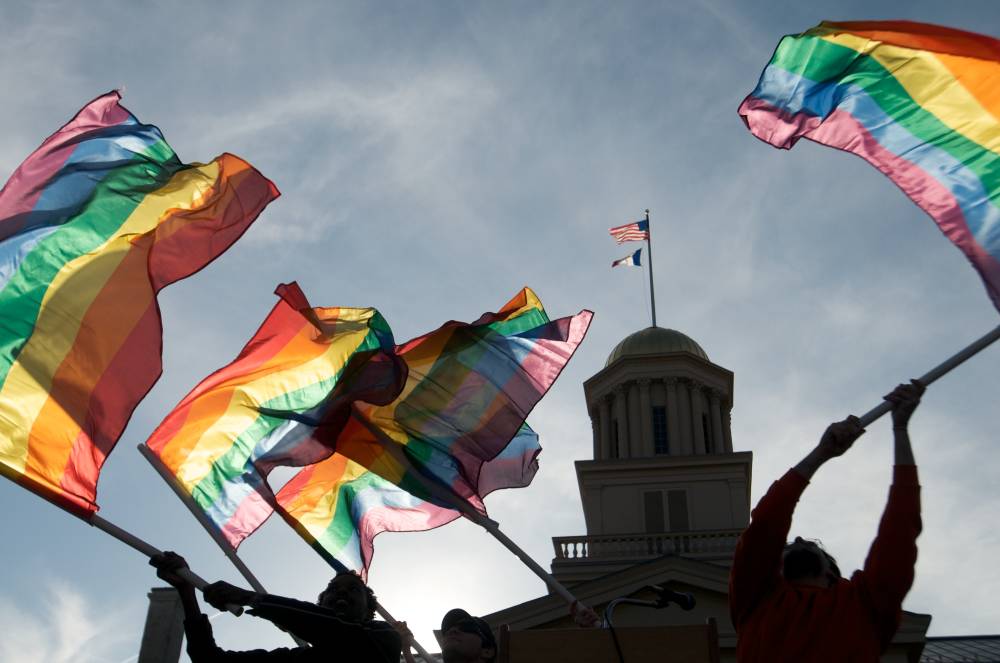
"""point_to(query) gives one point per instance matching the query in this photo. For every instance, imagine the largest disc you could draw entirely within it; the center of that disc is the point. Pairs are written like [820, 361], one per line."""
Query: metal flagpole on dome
[649, 256]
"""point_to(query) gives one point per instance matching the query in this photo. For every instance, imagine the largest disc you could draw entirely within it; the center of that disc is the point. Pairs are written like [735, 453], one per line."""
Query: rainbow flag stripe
[919, 102]
[450, 401]
[218, 443]
[92, 225]
[339, 507]
[469, 387]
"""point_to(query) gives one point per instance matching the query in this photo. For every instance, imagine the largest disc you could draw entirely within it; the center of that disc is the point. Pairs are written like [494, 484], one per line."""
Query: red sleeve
[888, 572]
[757, 561]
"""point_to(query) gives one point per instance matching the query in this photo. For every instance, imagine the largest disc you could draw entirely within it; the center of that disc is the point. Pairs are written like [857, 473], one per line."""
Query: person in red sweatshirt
[788, 601]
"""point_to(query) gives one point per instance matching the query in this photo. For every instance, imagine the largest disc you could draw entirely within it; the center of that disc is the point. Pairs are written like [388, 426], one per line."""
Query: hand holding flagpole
[231, 554]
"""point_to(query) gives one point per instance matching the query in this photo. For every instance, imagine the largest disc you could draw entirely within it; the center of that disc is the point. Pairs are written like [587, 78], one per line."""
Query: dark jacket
[331, 639]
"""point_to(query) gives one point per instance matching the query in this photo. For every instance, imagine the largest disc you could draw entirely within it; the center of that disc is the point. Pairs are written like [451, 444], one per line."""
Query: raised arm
[201, 646]
[904, 399]
[837, 439]
[889, 569]
[757, 562]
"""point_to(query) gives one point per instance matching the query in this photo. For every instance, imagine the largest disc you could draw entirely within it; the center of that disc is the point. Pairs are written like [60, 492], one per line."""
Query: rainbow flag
[339, 507]
[449, 405]
[919, 102]
[468, 389]
[92, 225]
[219, 444]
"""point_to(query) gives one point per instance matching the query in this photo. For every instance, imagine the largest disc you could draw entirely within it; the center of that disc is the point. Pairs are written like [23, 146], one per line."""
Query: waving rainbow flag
[468, 389]
[919, 102]
[92, 225]
[339, 507]
[449, 406]
[221, 447]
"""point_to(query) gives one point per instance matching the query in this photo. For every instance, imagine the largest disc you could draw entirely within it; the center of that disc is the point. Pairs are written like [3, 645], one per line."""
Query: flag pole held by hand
[130, 539]
[228, 550]
[447, 496]
[937, 372]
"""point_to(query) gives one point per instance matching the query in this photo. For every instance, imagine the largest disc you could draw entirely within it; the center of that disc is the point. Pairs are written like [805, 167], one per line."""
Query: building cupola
[659, 395]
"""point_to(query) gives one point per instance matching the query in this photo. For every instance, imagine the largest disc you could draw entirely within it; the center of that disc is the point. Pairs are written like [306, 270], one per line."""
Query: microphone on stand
[665, 596]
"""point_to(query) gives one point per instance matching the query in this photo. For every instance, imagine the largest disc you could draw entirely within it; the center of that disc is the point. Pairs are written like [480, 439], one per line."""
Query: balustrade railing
[637, 546]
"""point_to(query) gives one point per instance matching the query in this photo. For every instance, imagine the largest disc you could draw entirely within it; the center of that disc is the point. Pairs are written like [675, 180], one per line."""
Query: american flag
[630, 232]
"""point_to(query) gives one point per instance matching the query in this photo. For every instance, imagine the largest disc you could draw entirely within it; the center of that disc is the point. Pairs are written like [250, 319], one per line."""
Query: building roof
[655, 341]
[962, 649]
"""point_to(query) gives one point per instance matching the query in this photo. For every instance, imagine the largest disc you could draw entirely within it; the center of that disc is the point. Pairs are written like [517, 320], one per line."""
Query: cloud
[65, 628]
[352, 145]
[433, 159]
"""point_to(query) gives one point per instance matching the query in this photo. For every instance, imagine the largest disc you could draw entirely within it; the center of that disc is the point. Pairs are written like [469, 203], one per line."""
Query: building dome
[654, 341]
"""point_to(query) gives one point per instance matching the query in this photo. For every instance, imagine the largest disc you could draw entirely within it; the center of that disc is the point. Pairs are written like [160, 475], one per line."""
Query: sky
[434, 158]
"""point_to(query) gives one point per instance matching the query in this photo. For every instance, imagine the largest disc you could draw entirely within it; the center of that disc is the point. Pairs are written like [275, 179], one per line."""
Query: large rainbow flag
[468, 389]
[459, 396]
[919, 102]
[92, 225]
[219, 444]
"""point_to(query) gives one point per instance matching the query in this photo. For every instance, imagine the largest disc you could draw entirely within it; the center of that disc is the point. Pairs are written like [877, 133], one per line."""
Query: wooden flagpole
[384, 614]
[151, 551]
[200, 516]
[937, 372]
[227, 549]
[147, 549]
[129, 539]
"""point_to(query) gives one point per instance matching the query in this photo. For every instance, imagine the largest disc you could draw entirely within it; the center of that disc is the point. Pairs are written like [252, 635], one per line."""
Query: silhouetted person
[340, 626]
[789, 602]
[464, 639]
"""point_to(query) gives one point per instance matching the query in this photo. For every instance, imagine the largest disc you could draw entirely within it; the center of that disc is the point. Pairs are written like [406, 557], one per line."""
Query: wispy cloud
[65, 628]
[434, 158]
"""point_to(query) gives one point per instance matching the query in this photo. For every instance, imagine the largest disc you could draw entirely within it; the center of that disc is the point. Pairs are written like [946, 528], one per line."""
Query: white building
[664, 498]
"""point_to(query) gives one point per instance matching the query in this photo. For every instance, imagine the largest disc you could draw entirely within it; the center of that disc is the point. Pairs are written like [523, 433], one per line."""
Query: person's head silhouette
[349, 598]
[466, 639]
[805, 562]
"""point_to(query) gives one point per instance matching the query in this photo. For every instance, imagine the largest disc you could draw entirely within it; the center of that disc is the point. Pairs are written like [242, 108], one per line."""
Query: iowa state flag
[628, 261]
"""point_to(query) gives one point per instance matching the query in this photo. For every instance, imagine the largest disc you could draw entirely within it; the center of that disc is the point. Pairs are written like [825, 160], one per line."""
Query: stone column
[678, 445]
[604, 405]
[684, 416]
[635, 441]
[621, 409]
[697, 407]
[595, 429]
[164, 630]
[727, 429]
[718, 445]
[646, 418]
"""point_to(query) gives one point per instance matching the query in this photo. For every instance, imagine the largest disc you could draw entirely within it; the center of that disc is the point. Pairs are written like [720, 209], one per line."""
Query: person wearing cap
[340, 626]
[464, 639]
